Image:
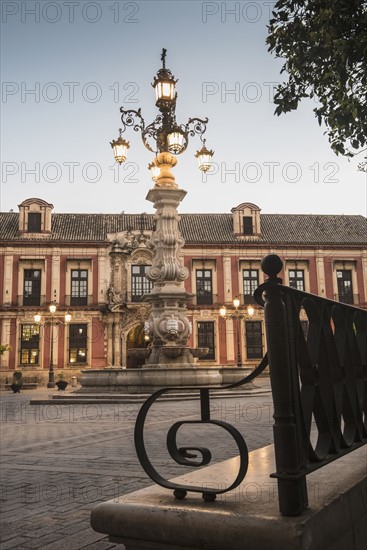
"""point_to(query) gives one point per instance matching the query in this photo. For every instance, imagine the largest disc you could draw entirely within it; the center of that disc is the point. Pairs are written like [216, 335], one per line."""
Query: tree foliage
[324, 43]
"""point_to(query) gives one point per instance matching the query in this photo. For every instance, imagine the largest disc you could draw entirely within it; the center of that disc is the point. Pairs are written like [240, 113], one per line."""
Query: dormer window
[35, 217]
[248, 228]
[34, 222]
[246, 221]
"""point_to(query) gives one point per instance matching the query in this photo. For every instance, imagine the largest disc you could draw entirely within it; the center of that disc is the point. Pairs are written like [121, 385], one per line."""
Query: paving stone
[15, 542]
[57, 464]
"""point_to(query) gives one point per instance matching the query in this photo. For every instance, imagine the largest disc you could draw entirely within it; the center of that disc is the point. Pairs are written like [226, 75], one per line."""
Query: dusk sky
[67, 67]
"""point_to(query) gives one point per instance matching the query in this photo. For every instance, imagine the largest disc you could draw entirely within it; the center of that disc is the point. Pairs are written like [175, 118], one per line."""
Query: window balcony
[247, 299]
[77, 301]
[205, 300]
[31, 300]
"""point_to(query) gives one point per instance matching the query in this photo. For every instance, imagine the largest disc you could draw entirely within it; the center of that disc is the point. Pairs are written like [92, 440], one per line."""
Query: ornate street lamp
[51, 322]
[164, 134]
[168, 327]
[237, 316]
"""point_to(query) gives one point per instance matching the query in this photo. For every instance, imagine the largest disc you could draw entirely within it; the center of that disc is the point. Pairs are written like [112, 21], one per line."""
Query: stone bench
[247, 517]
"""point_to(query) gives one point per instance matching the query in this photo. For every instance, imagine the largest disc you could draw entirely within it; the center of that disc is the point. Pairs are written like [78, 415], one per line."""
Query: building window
[34, 222]
[32, 287]
[140, 284]
[206, 339]
[79, 287]
[248, 228]
[78, 343]
[204, 286]
[345, 288]
[29, 344]
[297, 279]
[250, 284]
[254, 340]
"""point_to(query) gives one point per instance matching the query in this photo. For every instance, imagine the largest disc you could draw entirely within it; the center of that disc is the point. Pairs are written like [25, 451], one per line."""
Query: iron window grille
[140, 284]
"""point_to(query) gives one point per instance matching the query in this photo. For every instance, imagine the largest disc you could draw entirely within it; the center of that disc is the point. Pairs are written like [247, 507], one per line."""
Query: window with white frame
[250, 284]
[29, 344]
[79, 287]
[297, 279]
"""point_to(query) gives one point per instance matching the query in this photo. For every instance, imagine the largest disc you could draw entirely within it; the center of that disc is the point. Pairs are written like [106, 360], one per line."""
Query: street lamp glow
[164, 88]
[250, 311]
[52, 309]
[223, 311]
[154, 170]
[204, 157]
[175, 141]
[164, 134]
[236, 303]
[120, 147]
[67, 317]
[37, 317]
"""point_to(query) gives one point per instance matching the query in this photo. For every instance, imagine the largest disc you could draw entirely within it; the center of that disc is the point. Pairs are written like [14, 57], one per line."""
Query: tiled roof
[200, 228]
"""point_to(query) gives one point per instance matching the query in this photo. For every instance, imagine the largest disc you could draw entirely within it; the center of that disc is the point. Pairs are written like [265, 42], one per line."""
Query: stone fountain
[170, 361]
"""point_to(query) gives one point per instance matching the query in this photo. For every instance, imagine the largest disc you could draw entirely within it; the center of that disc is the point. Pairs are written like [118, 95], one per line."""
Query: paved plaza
[59, 461]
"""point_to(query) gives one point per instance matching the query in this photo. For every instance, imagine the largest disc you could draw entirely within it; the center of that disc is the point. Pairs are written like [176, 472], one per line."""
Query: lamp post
[167, 327]
[51, 322]
[164, 134]
[237, 316]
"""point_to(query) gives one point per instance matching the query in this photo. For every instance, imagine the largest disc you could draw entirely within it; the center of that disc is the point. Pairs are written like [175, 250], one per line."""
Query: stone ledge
[247, 516]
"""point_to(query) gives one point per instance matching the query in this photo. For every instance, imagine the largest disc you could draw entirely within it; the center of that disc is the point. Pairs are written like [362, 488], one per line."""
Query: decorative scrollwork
[186, 456]
[132, 118]
[196, 126]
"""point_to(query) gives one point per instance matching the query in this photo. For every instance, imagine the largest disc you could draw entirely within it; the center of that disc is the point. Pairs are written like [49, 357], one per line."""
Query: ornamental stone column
[167, 326]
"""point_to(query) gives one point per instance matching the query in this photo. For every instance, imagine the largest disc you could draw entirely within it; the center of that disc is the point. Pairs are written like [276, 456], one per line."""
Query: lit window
[77, 343]
[29, 344]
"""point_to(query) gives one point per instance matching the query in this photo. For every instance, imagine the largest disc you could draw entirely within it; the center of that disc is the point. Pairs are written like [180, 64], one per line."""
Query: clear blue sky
[85, 59]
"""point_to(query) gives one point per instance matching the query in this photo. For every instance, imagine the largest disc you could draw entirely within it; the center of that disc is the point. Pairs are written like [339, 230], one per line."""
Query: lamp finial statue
[163, 57]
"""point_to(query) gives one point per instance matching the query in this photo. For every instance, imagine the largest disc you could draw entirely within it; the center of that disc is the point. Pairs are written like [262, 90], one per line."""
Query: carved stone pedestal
[167, 326]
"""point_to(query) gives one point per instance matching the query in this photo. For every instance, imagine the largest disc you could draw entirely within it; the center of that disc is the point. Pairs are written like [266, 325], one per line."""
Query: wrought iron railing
[318, 382]
[319, 376]
[186, 455]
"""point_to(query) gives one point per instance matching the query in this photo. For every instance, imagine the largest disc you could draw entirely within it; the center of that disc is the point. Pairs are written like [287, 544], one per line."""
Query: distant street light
[237, 316]
[51, 322]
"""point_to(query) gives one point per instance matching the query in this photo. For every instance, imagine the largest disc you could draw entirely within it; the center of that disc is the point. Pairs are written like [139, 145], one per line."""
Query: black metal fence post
[287, 429]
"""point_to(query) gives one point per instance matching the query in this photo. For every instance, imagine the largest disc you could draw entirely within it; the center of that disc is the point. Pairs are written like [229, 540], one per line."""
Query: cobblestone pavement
[59, 461]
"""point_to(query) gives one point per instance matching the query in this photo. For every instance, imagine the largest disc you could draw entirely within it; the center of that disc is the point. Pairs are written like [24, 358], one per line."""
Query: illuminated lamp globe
[120, 147]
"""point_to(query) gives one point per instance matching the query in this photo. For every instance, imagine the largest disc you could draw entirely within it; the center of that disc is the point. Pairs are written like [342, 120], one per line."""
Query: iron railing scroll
[318, 381]
[193, 456]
